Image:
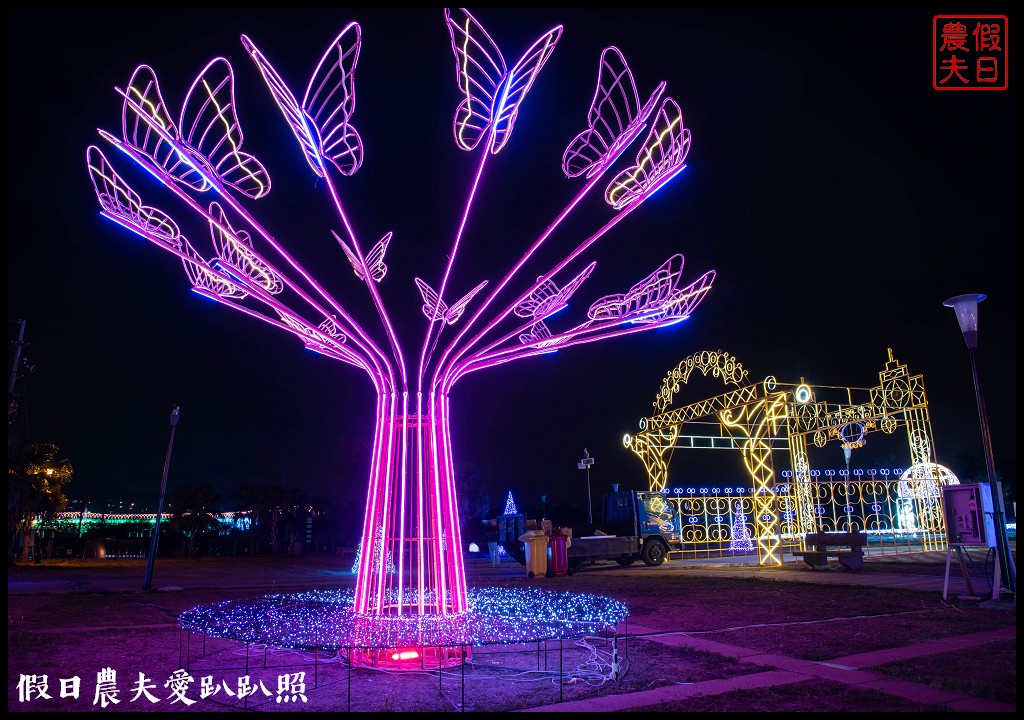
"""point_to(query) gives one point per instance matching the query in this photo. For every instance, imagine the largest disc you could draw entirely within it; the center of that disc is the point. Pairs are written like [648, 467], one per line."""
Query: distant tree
[474, 499]
[283, 503]
[254, 500]
[36, 475]
[194, 510]
[335, 521]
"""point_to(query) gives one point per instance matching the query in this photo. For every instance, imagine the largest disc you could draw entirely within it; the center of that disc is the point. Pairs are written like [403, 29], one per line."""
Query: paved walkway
[783, 670]
[853, 670]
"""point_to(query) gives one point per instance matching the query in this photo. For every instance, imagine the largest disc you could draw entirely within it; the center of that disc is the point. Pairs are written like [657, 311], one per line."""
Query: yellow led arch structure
[756, 419]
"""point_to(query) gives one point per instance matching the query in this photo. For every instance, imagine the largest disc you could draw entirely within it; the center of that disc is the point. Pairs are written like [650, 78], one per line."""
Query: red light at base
[405, 655]
[410, 657]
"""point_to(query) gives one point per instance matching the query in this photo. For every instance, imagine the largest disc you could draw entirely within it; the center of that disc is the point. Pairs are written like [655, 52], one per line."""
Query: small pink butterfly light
[443, 312]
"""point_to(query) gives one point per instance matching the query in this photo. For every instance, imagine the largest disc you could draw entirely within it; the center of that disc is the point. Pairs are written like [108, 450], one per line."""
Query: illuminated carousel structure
[410, 606]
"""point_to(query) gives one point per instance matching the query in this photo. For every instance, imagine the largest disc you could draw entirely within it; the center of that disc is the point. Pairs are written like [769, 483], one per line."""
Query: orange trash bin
[535, 543]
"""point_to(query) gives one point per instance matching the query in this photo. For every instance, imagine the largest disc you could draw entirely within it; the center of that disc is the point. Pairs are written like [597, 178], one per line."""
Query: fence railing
[898, 515]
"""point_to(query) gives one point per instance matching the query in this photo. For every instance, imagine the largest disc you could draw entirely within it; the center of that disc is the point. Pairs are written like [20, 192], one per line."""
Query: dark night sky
[839, 197]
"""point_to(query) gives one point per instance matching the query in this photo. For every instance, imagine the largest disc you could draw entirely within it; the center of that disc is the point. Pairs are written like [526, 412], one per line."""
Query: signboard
[969, 512]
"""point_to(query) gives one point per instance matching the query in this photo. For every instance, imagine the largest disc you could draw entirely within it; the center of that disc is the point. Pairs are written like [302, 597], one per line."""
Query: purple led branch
[492, 95]
[149, 132]
[122, 204]
[614, 121]
[444, 374]
[588, 331]
[322, 125]
[655, 301]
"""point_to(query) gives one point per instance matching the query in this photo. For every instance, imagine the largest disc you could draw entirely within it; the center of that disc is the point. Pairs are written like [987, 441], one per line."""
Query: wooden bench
[346, 553]
[846, 547]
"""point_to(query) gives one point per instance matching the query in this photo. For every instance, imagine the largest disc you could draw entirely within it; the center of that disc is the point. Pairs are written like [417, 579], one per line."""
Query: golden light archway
[760, 418]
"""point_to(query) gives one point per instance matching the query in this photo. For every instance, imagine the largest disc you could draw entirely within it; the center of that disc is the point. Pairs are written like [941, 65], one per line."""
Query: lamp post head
[966, 308]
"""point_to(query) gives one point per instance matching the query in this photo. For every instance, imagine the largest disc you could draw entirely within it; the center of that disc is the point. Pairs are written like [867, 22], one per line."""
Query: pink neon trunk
[411, 563]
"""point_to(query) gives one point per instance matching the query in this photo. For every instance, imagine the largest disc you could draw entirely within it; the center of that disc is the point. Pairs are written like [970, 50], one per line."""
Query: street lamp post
[585, 464]
[966, 308]
[154, 542]
[544, 506]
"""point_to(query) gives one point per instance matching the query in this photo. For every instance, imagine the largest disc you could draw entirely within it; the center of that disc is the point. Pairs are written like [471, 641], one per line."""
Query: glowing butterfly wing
[685, 300]
[433, 307]
[289, 106]
[357, 266]
[491, 94]
[562, 297]
[147, 126]
[375, 259]
[528, 307]
[540, 334]
[458, 308]
[330, 328]
[480, 70]
[657, 297]
[321, 123]
[209, 127]
[123, 204]
[607, 308]
[203, 279]
[537, 331]
[520, 80]
[330, 101]
[234, 248]
[614, 120]
[657, 287]
[662, 155]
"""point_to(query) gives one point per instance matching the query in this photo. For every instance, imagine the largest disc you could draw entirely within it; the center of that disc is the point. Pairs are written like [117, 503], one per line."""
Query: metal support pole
[1006, 576]
[13, 377]
[585, 464]
[590, 503]
[154, 542]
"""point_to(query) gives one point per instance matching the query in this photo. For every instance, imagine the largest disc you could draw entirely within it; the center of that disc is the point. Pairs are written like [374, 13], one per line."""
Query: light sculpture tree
[411, 564]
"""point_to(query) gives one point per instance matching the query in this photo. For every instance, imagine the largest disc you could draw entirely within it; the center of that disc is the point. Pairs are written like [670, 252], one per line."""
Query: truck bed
[603, 547]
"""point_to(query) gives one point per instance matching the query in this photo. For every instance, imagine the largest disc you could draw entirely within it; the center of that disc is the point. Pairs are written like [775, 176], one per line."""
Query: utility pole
[154, 542]
[585, 464]
[17, 356]
[12, 399]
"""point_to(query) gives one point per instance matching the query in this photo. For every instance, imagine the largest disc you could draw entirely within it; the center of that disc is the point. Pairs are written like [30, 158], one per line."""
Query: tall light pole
[154, 542]
[544, 506]
[966, 308]
[585, 464]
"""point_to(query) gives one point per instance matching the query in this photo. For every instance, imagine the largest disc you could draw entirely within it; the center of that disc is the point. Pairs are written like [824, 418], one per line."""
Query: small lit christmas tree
[510, 505]
[376, 557]
[740, 532]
